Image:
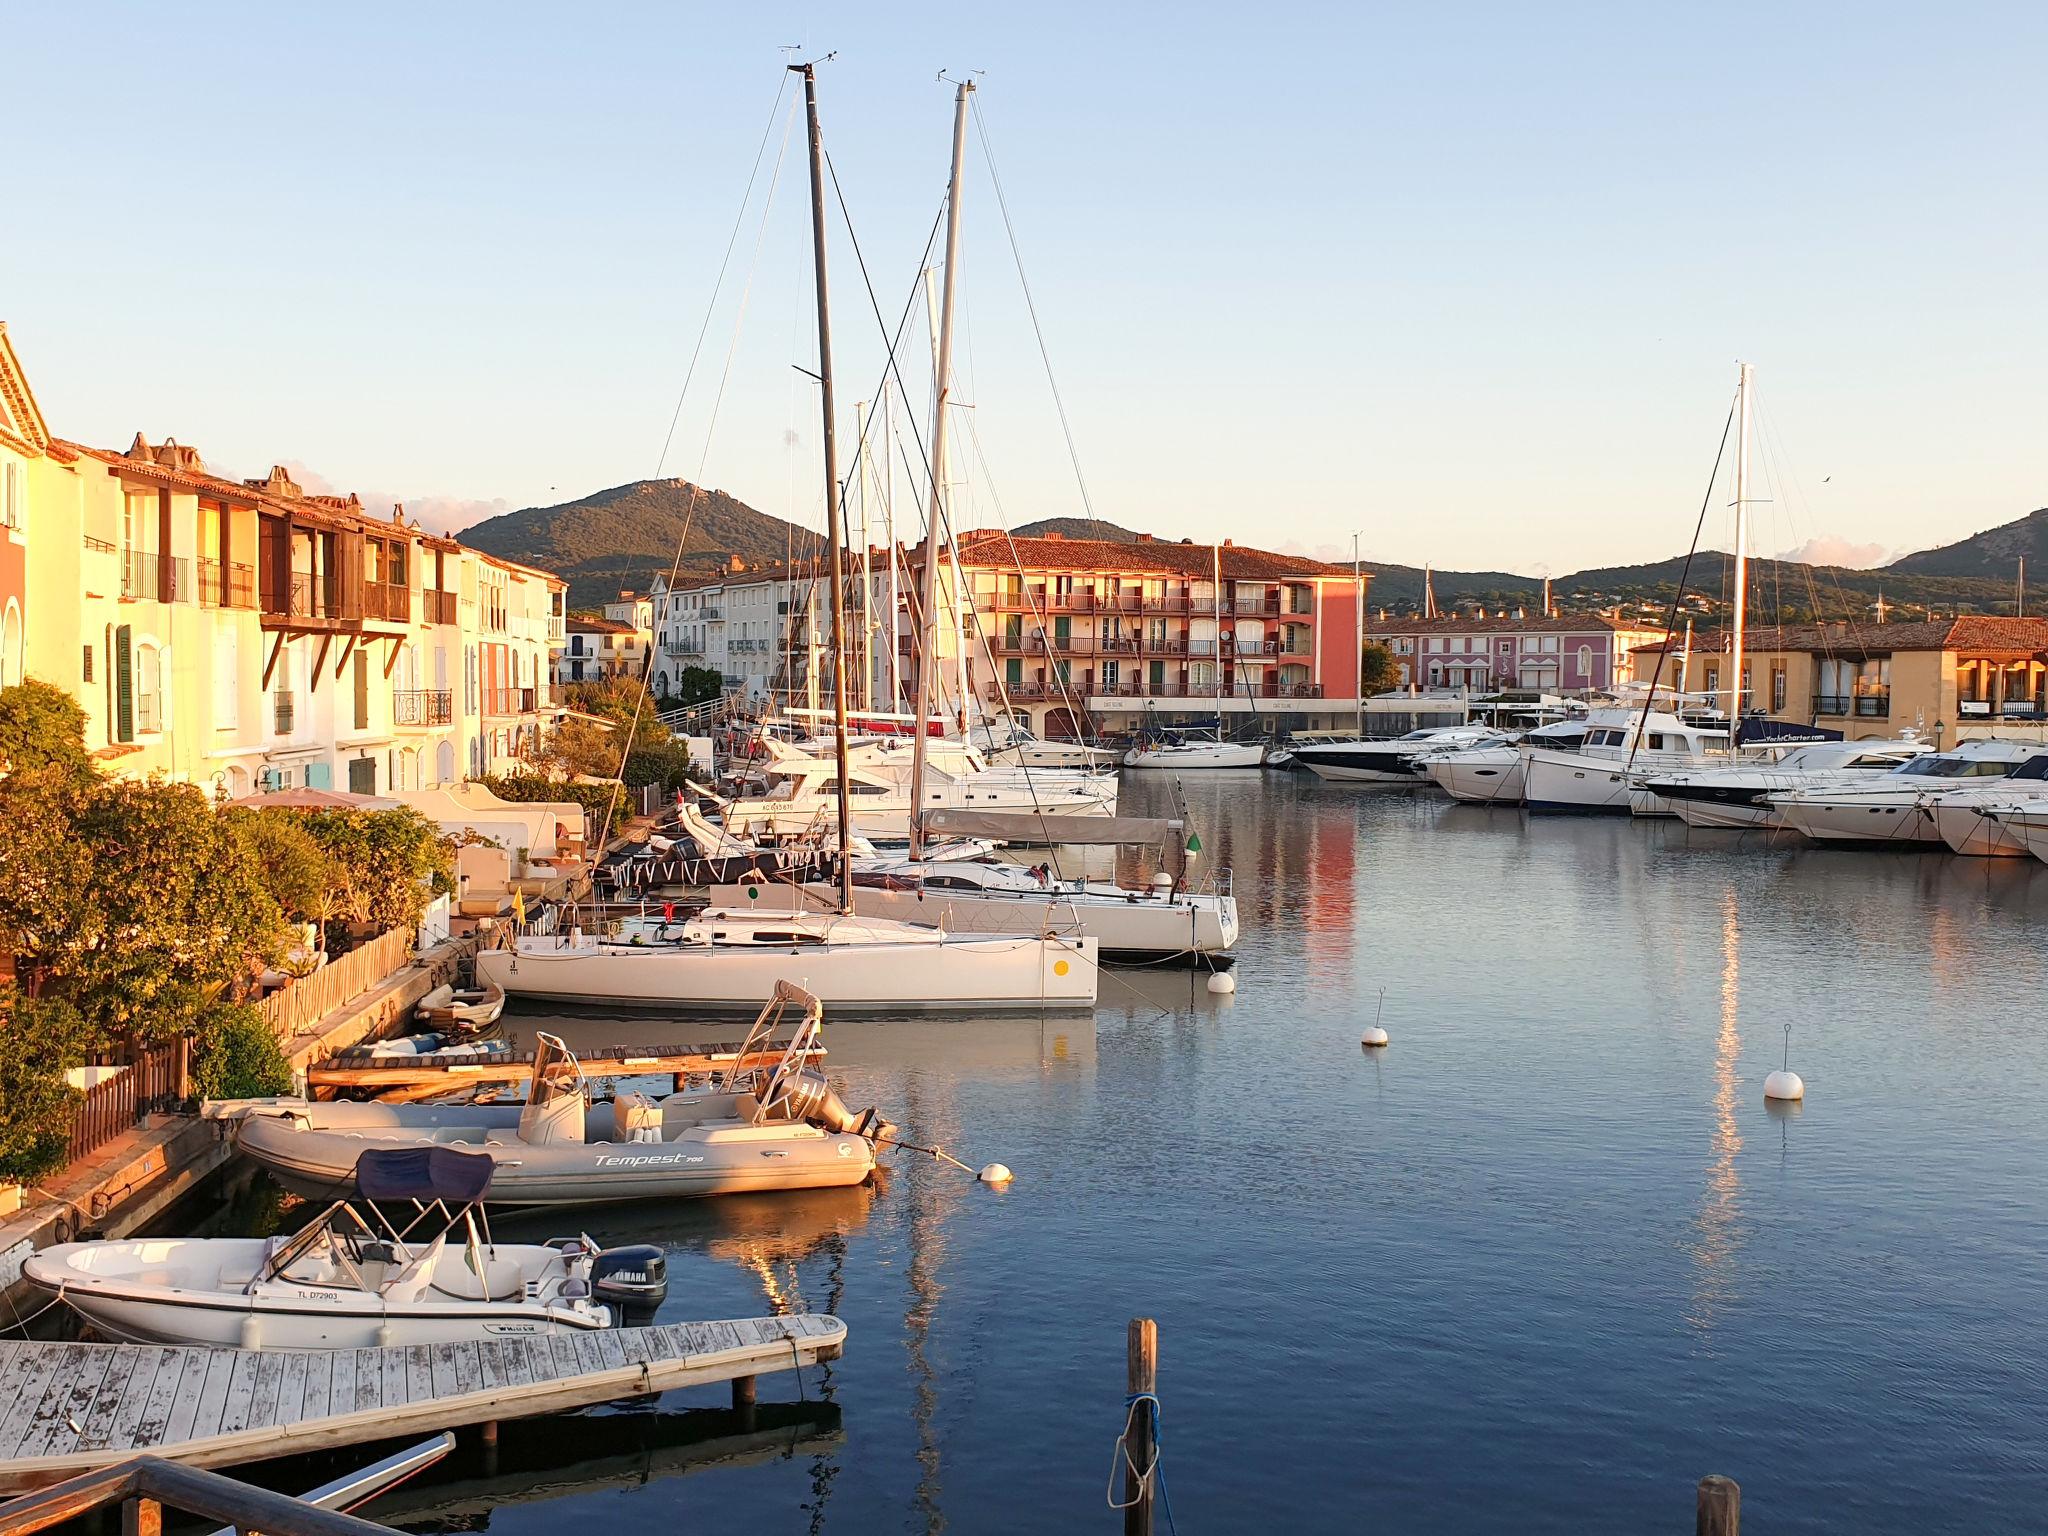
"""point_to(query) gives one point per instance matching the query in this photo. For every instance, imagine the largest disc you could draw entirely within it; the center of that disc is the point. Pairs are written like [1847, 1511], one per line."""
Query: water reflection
[1714, 1253]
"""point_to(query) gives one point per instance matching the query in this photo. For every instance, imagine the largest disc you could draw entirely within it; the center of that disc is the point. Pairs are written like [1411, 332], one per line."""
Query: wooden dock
[413, 1076]
[71, 1408]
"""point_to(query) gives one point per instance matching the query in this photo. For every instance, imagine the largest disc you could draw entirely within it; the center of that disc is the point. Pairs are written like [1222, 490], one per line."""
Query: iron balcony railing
[423, 706]
[161, 578]
[226, 585]
[1867, 706]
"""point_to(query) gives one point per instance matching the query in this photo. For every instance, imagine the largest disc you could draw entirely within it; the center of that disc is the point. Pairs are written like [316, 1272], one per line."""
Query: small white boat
[470, 1008]
[1212, 752]
[1389, 759]
[351, 1281]
[1491, 773]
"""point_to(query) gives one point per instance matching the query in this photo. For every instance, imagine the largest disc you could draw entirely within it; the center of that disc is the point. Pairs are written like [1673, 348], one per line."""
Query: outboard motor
[632, 1280]
[805, 1095]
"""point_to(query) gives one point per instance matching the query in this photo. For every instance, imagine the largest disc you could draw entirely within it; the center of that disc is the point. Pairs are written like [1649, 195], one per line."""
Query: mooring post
[1720, 1508]
[743, 1392]
[1141, 1376]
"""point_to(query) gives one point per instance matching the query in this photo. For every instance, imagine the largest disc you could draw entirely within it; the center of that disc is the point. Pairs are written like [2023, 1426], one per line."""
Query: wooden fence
[310, 999]
[155, 1079]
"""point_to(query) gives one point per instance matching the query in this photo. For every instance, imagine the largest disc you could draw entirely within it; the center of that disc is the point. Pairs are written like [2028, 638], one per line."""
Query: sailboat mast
[831, 446]
[867, 575]
[1741, 592]
[1216, 575]
[1358, 597]
[928, 629]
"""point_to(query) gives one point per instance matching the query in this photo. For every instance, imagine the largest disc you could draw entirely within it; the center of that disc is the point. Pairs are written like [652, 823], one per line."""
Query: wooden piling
[1141, 1375]
[1720, 1508]
[743, 1391]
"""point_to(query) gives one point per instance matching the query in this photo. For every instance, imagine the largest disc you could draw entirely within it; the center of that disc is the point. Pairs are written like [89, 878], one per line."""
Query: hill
[1992, 555]
[626, 535]
[1077, 528]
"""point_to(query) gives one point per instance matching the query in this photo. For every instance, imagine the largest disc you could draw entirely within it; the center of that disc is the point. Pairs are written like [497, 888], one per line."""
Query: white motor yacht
[1963, 816]
[1389, 760]
[1898, 807]
[1491, 772]
[1733, 797]
[1621, 746]
[2026, 823]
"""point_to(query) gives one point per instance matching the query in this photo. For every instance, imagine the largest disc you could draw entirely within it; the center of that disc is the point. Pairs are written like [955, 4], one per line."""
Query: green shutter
[124, 686]
[319, 776]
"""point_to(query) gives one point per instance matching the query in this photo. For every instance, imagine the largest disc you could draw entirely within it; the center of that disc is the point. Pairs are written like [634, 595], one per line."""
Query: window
[1585, 661]
[10, 495]
[86, 674]
[148, 692]
[1777, 690]
[362, 775]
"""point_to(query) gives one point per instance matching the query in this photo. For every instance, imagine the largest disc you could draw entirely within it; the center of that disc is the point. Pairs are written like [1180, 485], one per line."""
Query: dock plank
[290, 1405]
[188, 1413]
[318, 1391]
[98, 1419]
[241, 1390]
[441, 1369]
[29, 1389]
[419, 1373]
[469, 1370]
[391, 1367]
[613, 1353]
[518, 1354]
[563, 1352]
[490, 1362]
[70, 1395]
[142, 1387]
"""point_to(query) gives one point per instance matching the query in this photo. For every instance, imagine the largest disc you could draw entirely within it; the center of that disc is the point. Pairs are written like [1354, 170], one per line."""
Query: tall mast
[867, 575]
[1741, 544]
[1216, 575]
[927, 643]
[832, 531]
[889, 538]
[1358, 597]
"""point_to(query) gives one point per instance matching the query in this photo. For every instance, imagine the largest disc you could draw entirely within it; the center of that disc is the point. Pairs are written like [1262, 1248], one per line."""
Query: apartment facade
[1081, 634]
[595, 649]
[1480, 653]
[245, 634]
[749, 625]
[1952, 679]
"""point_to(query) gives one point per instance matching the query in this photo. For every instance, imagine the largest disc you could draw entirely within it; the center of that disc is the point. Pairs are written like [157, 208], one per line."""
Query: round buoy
[995, 1173]
[1222, 981]
[1784, 1084]
[1373, 1038]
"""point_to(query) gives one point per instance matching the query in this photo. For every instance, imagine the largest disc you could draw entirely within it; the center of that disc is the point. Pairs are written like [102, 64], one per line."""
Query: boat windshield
[1933, 765]
[556, 1073]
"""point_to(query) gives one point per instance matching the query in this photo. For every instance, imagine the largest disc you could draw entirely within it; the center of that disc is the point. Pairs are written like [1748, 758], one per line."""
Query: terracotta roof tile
[992, 546]
[1534, 624]
[1971, 632]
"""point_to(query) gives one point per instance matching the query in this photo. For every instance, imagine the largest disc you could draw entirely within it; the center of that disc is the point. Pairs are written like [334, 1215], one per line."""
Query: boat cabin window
[1934, 766]
[797, 936]
[1606, 738]
[2032, 768]
[1873, 760]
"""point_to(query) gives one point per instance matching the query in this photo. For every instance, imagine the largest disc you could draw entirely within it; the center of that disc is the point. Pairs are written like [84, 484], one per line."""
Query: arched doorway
[445, 763]
[1062, 724]
[10, 645]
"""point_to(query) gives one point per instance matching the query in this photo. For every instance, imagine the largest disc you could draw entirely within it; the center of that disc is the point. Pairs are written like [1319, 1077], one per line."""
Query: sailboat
[727, 959]
[1205, 748]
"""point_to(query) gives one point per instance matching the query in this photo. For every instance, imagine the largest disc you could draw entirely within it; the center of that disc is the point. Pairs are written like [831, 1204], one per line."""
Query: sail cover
[423, 1173]
[1036, 827]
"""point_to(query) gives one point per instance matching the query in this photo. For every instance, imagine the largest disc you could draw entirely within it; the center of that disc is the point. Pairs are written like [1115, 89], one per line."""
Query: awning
[424, 1173]
[1037, 827]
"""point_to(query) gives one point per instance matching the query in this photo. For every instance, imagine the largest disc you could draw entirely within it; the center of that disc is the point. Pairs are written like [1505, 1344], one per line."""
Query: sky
[1470, 281]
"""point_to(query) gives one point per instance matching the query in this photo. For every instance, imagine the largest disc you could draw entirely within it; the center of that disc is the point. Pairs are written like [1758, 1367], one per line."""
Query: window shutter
[319, 776]
[362, 692]
[124, 686]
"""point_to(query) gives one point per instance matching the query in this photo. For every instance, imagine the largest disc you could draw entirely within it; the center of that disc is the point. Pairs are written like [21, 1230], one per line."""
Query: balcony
[283, 715]
[508, 701]
[709, 611]
[677, 651]
[1863, 706]
[386, 602]
[422, 706]
[157, 578]
[307, 597]
[439, 607]
[226, 586]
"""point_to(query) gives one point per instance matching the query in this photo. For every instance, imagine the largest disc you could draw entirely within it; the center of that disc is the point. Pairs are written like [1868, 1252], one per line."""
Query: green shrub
[40, 1039]
[236, 1056]
[527, 788]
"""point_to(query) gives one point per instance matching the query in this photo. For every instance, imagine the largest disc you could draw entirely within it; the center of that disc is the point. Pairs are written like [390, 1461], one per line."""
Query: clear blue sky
[1473, 279]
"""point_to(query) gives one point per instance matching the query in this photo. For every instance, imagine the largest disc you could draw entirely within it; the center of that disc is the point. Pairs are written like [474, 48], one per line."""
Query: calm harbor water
[1541, 1264]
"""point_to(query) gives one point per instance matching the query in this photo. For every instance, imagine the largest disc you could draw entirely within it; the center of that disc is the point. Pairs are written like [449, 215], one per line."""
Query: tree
[698, 685]
[238, 1056]
[40, 1040]
[41, 727]
[383, 867]
[1381, 670]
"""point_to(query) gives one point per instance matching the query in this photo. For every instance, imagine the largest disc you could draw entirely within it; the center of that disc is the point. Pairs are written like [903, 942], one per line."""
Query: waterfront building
[1067, 631]
[1977, 675]
[1481, 652]
[248, 634]
[598, 648]
[749, 624]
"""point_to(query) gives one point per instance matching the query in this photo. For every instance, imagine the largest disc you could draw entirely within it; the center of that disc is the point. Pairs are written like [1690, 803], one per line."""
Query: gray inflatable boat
[782, 1128]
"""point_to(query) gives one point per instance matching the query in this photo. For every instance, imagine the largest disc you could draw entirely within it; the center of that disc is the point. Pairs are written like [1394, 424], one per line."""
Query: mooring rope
[1151, 1476]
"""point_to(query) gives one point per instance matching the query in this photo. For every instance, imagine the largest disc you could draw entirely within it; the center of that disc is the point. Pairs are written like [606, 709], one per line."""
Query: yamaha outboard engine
[807, 1096]
[633, 1281]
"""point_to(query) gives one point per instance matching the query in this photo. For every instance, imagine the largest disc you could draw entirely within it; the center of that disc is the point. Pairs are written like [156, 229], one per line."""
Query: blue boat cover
[1781, 733]
[423, 1173]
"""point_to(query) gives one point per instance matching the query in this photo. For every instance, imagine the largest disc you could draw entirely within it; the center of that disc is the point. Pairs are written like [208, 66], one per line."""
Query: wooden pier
[400, 1077]
[72, 1408]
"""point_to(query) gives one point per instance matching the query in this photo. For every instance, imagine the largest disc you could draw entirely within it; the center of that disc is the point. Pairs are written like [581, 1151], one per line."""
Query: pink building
[1570, 653]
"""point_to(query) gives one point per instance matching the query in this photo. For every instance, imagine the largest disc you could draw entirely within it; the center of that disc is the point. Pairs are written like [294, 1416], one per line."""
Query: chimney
[1145, 538]
[1054, 535]
[1227, 544]
[1521, 613]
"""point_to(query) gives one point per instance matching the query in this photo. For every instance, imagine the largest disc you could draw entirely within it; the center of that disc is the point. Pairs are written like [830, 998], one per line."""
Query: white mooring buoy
[1375, 1037]
[995, 1173]
[1222, 981]
[1785, 1083]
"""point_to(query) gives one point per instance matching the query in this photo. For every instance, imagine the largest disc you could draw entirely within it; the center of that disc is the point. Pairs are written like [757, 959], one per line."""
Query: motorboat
[725, 959]
[1734, 796]
[1620, 746]
[1389, 759]
[1008, 741]
[2026, 823]
[1899, 806]
[767, 1129]
[353, 1278]
[463, 1011]
[1179, 753]
[1962, 816]
[1490, 772]
[1159, 923]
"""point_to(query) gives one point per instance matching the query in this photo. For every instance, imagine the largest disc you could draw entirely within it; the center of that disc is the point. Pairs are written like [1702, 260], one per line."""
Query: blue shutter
[319, 776]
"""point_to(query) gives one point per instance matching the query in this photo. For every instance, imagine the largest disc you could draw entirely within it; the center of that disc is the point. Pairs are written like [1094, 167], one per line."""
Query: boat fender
[252, 1332]
[632, 1279]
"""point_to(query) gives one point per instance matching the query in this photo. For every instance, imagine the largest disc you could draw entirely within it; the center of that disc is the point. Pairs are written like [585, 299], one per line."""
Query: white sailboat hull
[952, 973]
[1216, 754]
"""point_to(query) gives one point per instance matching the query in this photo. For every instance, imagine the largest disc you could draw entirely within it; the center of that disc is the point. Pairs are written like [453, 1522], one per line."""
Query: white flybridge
[1620, 747]
[1734, 797]
[1899, 807]
[728, 959]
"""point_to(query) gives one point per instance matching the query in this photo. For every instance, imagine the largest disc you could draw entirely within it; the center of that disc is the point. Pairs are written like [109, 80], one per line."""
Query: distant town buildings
[1479, 653]
[248, 634]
